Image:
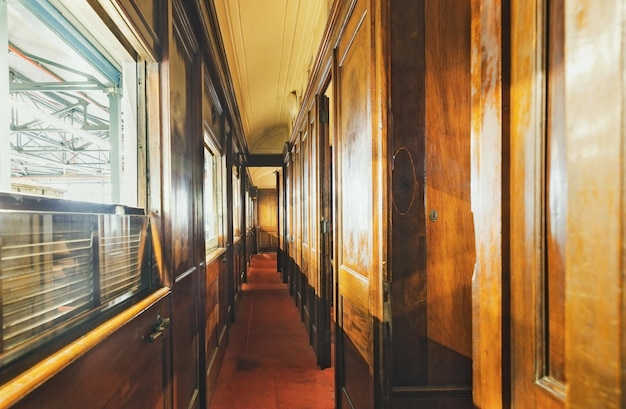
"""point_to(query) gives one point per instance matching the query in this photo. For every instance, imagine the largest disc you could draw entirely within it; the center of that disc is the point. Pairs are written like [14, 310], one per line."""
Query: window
[212, 199]
[69, 131]
[72, 100]
[58, 269]
[236, 202]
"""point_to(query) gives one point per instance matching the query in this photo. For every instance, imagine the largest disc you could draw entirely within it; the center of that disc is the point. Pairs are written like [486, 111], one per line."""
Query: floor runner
[269, 363]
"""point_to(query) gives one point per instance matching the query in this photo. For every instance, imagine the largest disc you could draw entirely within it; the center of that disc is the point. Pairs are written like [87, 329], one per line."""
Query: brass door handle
[160, 325]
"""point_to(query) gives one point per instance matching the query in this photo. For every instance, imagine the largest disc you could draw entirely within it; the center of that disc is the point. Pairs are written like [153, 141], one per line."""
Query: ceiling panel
[270, 48]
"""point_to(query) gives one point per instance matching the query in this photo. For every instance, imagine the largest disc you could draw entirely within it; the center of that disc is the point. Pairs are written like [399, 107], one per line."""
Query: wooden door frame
[487, 191]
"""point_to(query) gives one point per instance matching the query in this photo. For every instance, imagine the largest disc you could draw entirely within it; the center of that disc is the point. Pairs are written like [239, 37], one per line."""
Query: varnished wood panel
[267, 203]
[216, 322]
[355, 150]
[595, 249]
[143, 23]
[357, 386]
[432, 245]
[212, 114]
[185, 340]
[554, 208]
[312, 203]
[182, 99]
[408, 240]
[326, 292]
[124, 371]
[212, 307]
[488, 197]
[537, 197]
[185, 187]
[449, 229]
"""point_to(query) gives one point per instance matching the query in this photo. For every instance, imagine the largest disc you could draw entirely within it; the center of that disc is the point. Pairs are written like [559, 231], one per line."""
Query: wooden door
[358, 229]
[324, 298]
[267, 203]
[567, 153]
[182, 188]
[538, 208]
[432, 236]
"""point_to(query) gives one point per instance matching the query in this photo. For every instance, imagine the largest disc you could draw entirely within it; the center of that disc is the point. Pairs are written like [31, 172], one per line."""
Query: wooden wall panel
[595, 95]
[185, 187]
[185, 342]
[432, 246]
[312, 204]
[305, 211]
[488, 193]
[267, 205]
[212, 306]
[354, 145]
[182, 99]
[143, 25]
[212, 113]
[408, 240]
[124, 371]
[357, 206]
[449, 228]
[216, 321]
[538, 208]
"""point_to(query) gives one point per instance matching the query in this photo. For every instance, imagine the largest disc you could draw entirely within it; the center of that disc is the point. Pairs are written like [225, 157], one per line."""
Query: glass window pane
[73, 112]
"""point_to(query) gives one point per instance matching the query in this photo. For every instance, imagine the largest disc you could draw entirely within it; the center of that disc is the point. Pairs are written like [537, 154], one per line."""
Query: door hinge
[324, 117]
[324, 226]
[386, 309]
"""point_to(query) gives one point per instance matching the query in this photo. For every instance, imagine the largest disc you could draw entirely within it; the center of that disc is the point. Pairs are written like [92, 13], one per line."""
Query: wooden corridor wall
[468, 150]
[454, 188]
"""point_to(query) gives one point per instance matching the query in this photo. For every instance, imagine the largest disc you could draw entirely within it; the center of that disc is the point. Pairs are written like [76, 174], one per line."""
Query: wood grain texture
[594, 260]
[216, 322]
[141, 23]
[355, 148]
[408, 216]
[486, 202]
[536, 254]
[185, 340]
[449, 239]
[354, 168]
[182, 142]
[130, 376]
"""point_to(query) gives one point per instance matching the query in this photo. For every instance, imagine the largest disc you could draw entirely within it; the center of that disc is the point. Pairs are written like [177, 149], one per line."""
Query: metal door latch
[160, 324]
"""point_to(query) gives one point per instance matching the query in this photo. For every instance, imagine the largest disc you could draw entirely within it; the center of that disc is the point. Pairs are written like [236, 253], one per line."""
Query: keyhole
[433, 215]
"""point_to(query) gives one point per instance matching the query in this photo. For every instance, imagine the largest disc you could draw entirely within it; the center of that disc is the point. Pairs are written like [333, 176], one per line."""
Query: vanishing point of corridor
[269, 363]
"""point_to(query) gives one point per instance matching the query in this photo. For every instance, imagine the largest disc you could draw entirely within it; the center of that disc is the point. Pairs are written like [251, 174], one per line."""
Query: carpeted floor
[269, 363]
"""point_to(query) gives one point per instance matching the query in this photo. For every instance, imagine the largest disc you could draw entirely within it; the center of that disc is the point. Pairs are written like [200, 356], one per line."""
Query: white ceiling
[270, 48]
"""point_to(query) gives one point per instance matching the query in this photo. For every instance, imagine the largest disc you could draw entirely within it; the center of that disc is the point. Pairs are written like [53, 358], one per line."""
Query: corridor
[269, 363]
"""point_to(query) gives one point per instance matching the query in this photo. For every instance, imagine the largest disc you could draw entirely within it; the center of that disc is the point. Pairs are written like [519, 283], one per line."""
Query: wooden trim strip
[14, 390]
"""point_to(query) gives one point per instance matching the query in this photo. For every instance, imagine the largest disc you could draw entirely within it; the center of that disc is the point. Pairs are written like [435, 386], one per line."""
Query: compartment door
[357, 236]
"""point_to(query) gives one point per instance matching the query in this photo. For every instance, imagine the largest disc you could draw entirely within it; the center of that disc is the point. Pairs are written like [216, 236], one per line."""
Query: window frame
[212, 151]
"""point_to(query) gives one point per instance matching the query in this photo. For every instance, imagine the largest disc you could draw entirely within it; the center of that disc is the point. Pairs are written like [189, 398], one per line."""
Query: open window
[69, 131]
[213, 211]
[72, 105]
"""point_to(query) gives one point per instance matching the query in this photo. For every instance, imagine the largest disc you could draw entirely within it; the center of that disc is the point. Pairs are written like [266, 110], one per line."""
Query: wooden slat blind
[120, 258]
[45, 272]
[58, 266]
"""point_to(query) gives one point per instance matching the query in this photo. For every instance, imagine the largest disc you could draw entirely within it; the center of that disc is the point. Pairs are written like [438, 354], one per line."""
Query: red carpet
[269, 363]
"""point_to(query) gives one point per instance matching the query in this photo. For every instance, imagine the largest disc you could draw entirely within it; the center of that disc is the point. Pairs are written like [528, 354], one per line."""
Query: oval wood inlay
[404, 181]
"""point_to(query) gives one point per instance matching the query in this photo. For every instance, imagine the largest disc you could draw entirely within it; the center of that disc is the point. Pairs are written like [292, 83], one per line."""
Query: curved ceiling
[270, 48]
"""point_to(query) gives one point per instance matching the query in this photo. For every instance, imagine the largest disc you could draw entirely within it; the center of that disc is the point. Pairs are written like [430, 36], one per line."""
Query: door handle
[160, 325]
